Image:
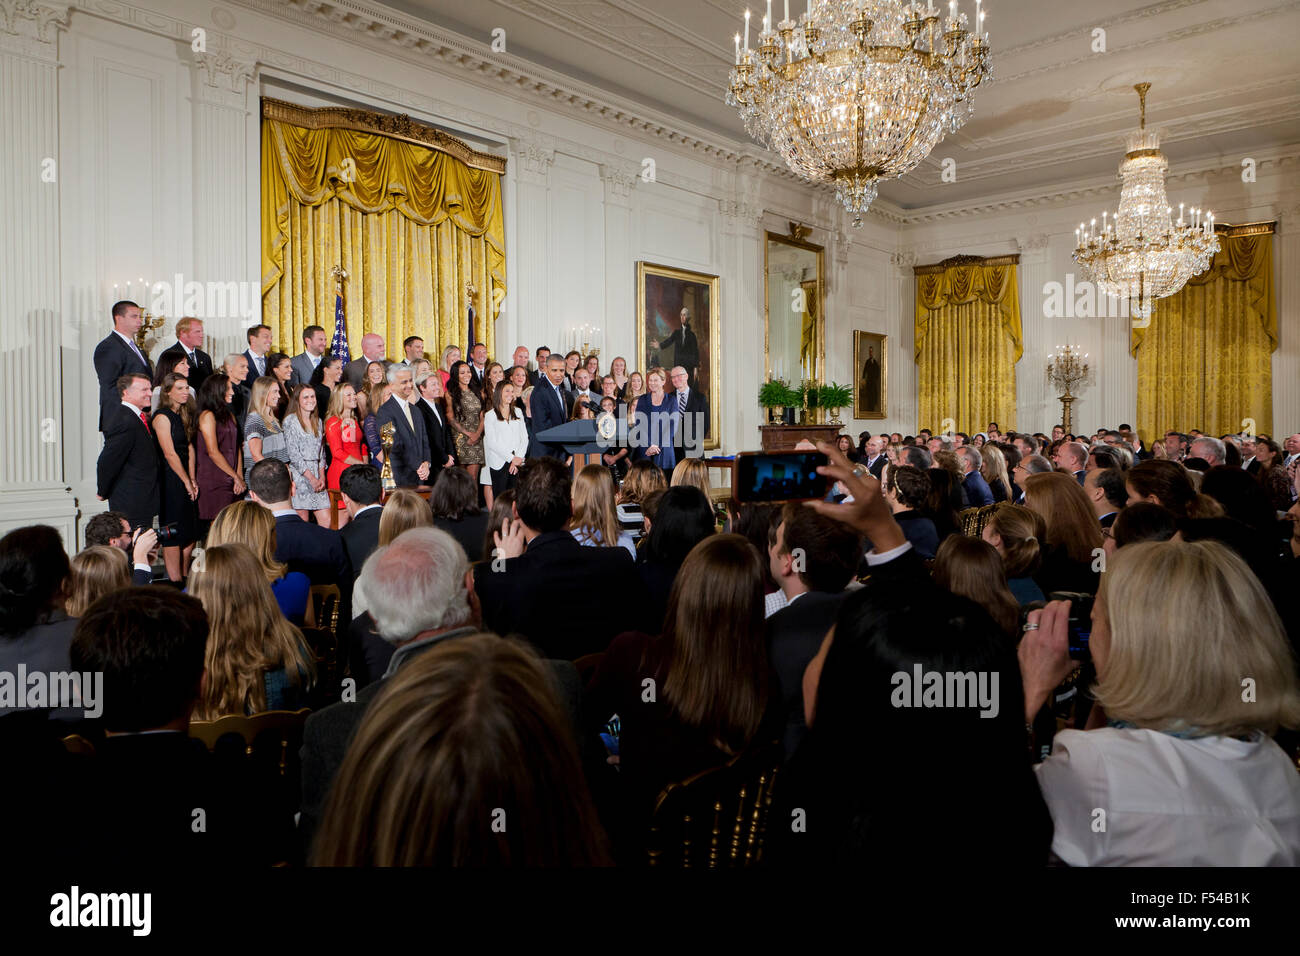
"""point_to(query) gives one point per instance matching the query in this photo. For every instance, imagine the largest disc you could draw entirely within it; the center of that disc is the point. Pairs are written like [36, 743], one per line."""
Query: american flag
[339, 348]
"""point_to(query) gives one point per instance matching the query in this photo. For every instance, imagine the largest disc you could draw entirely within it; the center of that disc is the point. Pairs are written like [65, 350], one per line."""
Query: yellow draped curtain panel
[411, 225]
[1205, 361]
[968, 340]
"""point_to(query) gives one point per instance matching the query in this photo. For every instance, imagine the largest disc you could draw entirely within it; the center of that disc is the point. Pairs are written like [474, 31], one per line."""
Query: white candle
[746, 31]
[738, 49]
[787, 11]
[952, 9]
[1180, 214]
[767, 19]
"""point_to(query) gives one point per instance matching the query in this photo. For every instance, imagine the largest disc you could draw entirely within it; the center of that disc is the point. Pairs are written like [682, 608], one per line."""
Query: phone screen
[783, 476]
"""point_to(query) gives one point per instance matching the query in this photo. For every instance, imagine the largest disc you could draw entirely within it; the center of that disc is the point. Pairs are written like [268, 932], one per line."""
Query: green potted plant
[775, 393]
[835, 397]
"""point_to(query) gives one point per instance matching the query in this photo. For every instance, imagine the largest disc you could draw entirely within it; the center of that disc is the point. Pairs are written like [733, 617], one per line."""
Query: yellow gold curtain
[410, 224]
[1205, 360]
[968, 340]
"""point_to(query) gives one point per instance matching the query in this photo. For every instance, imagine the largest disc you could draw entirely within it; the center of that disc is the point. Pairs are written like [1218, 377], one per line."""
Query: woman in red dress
[344, 437]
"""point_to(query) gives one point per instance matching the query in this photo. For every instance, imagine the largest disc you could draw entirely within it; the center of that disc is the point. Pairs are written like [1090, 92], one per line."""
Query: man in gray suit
[372, 351]
[410, 454]
[314, 343]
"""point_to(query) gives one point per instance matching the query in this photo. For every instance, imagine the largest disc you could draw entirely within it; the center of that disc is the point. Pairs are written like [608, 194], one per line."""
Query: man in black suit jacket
[695, 418]
[545, 577]
[113, 529]
[118, 355]
[442, 444]
[684, 346]
[1106, 492]
[127, 471]
[315, 551]
[146, 645]
[550, 406]
[410, 452]
[360, 489]
[829, 554]
[189, 336]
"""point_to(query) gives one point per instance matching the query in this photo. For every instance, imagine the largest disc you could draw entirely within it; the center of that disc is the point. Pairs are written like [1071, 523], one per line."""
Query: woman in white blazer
[505, 442]
[1194, 674]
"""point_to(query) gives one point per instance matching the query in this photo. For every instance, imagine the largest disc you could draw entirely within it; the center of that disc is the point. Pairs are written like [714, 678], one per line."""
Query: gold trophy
[386, 436]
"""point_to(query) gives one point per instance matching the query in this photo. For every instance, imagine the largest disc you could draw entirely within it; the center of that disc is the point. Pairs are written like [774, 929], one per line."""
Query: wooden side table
[785, 437]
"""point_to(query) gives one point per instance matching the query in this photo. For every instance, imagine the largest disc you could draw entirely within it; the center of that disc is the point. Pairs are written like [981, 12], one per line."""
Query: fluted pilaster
[32, 485]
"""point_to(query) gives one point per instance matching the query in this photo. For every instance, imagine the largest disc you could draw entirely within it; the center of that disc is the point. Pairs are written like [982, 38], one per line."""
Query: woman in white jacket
[1194, 673]
[505, 442]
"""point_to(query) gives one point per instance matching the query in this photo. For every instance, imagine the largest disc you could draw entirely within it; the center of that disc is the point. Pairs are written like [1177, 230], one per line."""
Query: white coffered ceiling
[1225, 77]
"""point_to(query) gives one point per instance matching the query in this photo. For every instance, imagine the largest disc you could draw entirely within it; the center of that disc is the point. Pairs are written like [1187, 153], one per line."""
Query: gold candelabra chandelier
[1067, 369]
[1140, 253]
[857, 91]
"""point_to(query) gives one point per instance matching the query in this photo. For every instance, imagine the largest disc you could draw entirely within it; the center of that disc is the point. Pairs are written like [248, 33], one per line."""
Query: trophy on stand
[386, 436]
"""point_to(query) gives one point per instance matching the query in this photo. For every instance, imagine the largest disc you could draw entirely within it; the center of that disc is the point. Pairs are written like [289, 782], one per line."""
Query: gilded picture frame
[870, 375]
[662, 292]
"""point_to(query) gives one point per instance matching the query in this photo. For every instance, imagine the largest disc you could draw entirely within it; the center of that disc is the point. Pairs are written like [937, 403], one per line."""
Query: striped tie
[681, 402]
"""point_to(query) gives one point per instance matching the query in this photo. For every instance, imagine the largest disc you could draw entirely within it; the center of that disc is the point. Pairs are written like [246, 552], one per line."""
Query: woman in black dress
[173, 430]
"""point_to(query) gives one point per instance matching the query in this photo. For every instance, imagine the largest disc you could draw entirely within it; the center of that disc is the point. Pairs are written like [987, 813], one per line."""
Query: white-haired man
[419, 591]
[410, 452]
[974, 488]
[1211, 449]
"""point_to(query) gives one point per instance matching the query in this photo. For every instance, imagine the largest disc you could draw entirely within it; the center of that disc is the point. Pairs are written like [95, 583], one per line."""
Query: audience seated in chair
[35, 632]
[711, 690]
[152, 796]
[464, 758]
[360, 491]
[247, 523]
[682, 518]
[813, 559]
[568, 600]
[256, 660]
[1184, 744]
[315, 551]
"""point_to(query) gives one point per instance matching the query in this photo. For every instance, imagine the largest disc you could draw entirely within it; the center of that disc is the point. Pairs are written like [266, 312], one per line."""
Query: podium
[581, 440]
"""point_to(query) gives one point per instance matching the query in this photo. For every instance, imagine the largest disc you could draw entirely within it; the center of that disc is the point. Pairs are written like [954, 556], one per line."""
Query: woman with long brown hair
[463, 759]
[1272, 477]
[971, 567]
[219, 472]
[249, 524]
[1074, 541]
[256, 660]
[304, 435]
[643, 478]
[595, 518]
[465, 404]
[714, 686]
[263, 434]
[505, 441]
[173, 432]
[344, 437]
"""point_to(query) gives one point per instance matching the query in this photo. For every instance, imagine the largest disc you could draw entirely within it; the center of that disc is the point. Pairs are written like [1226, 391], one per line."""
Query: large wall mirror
[794, 339]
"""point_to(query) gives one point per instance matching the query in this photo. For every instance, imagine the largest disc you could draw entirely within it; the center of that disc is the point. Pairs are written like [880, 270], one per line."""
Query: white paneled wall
[158, 145]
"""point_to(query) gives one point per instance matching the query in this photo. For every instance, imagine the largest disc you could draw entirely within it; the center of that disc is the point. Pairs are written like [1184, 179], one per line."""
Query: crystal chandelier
[858, 90]
[1140, 253]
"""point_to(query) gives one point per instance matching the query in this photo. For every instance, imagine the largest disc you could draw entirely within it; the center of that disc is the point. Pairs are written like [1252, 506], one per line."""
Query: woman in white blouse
[1194, 674]
[505, 442]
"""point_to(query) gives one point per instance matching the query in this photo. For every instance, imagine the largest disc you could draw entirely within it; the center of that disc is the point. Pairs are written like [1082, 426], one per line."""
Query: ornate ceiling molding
[1093, 188]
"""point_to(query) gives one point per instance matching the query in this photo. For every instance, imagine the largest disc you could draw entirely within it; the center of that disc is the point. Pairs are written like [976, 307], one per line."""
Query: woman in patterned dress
[305, 436]
[466, 417]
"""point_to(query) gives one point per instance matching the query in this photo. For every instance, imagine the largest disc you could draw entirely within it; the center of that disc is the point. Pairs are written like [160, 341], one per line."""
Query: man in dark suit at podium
[548, 582]
[189, 336]
[551, 405]
[118, 355]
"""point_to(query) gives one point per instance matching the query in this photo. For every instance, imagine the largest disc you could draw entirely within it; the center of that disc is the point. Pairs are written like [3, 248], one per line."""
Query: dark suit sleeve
[117, 447]
[139, 577]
